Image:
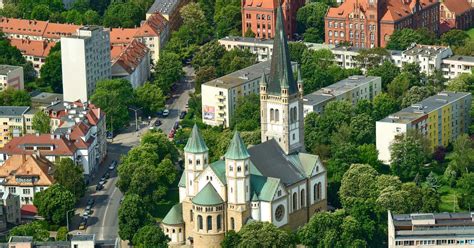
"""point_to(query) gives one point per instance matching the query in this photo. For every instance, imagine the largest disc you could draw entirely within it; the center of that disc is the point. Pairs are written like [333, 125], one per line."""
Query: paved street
[103, 221]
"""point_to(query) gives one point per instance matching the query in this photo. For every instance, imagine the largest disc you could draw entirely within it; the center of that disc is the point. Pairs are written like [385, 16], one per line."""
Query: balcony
[221, 112]
[221, 104]
[220, 97]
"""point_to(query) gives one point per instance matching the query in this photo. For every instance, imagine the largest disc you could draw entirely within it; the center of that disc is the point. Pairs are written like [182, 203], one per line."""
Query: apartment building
[75, 241]
[263, 48]
[15, 121]
[169, 9]
[352, 89]
[220, 96]
[431, 230]
[456, 65]
[41, 100]
[370, 23]
[25, 175]
[458, 14]
[11, 77]
[131, 62]
[85, 59]
[10, 204]
[260, 17]
[428, 57]
[34, 51]
[440, 118]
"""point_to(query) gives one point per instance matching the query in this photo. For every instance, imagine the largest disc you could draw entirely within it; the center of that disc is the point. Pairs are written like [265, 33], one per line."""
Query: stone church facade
[275, 181]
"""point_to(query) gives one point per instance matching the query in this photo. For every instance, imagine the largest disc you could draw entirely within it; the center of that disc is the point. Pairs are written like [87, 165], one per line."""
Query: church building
[274, 181]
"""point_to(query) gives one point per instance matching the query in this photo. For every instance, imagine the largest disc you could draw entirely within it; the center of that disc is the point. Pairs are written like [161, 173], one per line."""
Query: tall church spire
[281, 74]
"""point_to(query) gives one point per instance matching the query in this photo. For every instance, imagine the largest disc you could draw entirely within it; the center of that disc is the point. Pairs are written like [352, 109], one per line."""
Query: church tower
[237, 169]
[195, 160]
[281, 97]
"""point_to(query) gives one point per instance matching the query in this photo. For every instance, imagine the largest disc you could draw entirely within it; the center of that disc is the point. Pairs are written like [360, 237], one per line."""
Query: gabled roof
[26, 165]
[33, 47]
[281, 73]
[237, 149]
[182, 180]
[457, 6]
[195, 142]
[153, 26]
[174, 216]
[208, 196]
[219, 169]
[60, 144]
[264, 188]
[131, 56]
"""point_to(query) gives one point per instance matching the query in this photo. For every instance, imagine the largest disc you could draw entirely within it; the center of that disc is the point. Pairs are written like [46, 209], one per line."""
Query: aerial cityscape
[236, 123]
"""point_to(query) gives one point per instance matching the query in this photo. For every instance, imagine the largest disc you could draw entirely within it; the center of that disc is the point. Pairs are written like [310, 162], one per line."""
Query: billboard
[209, 112]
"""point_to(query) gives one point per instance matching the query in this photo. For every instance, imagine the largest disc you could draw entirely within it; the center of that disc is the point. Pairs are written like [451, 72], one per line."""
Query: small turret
[195, 159]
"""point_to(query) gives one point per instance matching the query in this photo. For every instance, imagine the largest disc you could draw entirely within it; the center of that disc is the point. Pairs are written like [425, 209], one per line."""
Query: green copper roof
[208, 196]
[195, 142]
[254, 197]
[174, 216]
[281, 74]
[264, 187]
[219, 169]
[182, 181]
[237, 149]
[263, 79]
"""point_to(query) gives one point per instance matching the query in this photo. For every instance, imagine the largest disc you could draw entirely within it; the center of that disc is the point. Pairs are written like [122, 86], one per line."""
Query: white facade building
[11, 77]
[133, 63]
[456, 65]
[428, 57]
[85, 61]
[352, 89]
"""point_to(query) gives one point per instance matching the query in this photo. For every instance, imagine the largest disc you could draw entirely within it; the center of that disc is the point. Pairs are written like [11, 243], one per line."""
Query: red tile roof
[23, 27]
[61, 145]
[28, 210]
[33, 47]
[457, 6]
[122, 35]
[56, 30]
[267, 4]
[132, 56]
[27, 165]
[153, 26]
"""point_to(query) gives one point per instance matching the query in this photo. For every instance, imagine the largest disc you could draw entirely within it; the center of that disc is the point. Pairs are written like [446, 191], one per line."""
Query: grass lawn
[470, 32]
[447, 198]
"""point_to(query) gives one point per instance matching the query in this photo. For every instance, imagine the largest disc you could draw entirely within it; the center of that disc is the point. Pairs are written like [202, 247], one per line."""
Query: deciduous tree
[41, 122]
[150, 97]
[36, 229]
[54, 202]
[71, 176]
[408, 154]
[132, 216]
[150, 236]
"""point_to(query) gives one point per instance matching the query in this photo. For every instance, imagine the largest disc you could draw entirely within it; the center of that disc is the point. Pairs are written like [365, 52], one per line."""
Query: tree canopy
[71, 176]
[41, 122]
[54, 202]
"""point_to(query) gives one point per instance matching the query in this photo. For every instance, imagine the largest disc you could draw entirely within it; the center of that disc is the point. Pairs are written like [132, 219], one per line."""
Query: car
[176, 126]
[83, 225]
[99, 187]
[88, 209]
[157, 123]
[85, 215]
[90, 202]
[112, 165]
[107, 175]
[182, 114]
[171, 135]
[159, 113]
[110, 135]
[102, 181]
[166, 112]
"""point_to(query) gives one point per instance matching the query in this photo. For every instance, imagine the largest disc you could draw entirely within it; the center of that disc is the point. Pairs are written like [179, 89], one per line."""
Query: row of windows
[209, 226]
[316, 196]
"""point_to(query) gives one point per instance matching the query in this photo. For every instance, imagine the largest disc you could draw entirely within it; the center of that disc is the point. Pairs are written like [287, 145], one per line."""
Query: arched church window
[272, 114]
[209, 223]
[198, 162]
[232, 223]
[277, 115]
[191, 214]
[303, 196]
[200, 227]
[295, 201]
[315, 192]
[239, 169]
[231, 168]
[219, 220]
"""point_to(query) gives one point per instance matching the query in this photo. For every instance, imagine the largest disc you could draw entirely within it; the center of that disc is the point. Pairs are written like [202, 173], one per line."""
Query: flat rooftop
[336, 89]
[239, 77]
[5, 69]
[47, 98]
[424, 107]
[21, 239]
[469, 59]
[12, 111]
[252, 40]
[163, 6]
[83, 237]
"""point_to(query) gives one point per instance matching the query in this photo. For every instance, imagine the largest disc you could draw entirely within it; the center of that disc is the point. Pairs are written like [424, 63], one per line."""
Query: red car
[171, 134]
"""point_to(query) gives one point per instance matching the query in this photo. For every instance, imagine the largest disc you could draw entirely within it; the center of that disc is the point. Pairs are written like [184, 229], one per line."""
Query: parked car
[166, 112]
[176, 126]
[171, 135]
[160, 113]
[83, 225]
[107, 175]
[99, 187]
[182, 114]
[157, 123]
[110, 135]
[90, 202]
[112, 165]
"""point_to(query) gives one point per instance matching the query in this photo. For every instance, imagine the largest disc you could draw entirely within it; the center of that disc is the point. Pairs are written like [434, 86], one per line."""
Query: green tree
[228, 21]
[322, 230]
[41, 122]
[369, 58]
[387, 71]
[234, 60]
[91, 17]
[13, 97]
[168, 70]
[310, 19]
[71, 176]
[263, 234]
[249, 33]
[363, 129]
[40, 12]
[247, 114]
[203, 75]
[150, 236]
[408, 154]
[62, 234]
[462, 157]
[54, 202]
[467, 49]
[403, 38]
[465, 187]
[36, 229]
[296, 51]
[195, 23]
[358, 186]
[150, 97]
[113, 97]
[122, 14]
[415, 94]
[463, 83]
[384, 105]
[231, 240]
[132, 216]
[399, 85]
[208, 55]
[454, 37]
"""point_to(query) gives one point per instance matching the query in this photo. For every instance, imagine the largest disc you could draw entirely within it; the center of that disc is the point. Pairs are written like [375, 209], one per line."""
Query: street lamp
[136, 117]
[67, 218]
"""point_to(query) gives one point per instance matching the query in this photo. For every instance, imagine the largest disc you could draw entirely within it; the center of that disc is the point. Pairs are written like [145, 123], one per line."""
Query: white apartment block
[132, 63]
[85, 61]
[263, 48]
[431, 230]
[440, 118]
[456, 65]
[352, 89]
[429, 57]
[11, 77]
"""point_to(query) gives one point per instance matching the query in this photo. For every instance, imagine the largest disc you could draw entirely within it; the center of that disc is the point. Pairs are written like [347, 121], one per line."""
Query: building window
[342, 34]
[190, 161]
[219, 220]
[330, 33]
[277, 115]
[26, 191]
[12, 190]
[232, 223]
[209, 223]
[269, 17]
[303, 196]
[272, 114]
[239, 169]
[191, 214]
[258, 16]
[295, 201]
[200, 222]
[279, 212]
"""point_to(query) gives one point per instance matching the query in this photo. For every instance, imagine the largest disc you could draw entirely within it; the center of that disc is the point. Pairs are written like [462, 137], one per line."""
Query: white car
[166, 112]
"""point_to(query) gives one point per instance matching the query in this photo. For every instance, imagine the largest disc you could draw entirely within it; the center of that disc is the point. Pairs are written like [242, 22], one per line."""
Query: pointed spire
[237, 149]
[300, 80]
[281, 74]
[195, 143]
[254, 197]
[263, 79]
